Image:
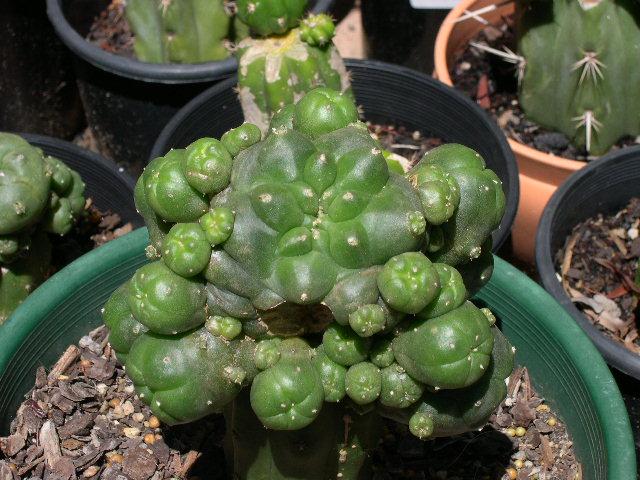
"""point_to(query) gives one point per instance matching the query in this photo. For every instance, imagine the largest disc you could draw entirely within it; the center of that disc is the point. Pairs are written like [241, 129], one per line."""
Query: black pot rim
[614, 353]
[93, 161]
[169, 73]
[513, 194]
[43, 141]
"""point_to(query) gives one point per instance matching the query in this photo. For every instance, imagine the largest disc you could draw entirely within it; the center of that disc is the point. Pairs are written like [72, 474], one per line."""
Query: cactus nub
[318, 296]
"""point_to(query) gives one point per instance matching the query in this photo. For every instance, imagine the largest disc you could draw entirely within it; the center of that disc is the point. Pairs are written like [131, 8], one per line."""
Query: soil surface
[94, 229]
[411, 145]
[492, 83]
[110, 31]
[598, 264]
[82, 419]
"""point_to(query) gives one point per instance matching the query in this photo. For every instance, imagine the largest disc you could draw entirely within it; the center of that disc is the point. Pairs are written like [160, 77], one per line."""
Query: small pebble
[131, 432]
[91, 471]
[114, 457]
[154, 422]
[542, 408]
[521, 432]
[138, 417]
[128, 408]
[149, 439]
[552, 422]
[511, 432]
[519, 464]
[512, 473]
[114, 402]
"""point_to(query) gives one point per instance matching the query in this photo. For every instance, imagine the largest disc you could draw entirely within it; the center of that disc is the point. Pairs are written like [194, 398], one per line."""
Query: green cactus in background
[283, 63]
[179, 31]
[271, 17]
[292, 289]
[38, 195]
[579, 68]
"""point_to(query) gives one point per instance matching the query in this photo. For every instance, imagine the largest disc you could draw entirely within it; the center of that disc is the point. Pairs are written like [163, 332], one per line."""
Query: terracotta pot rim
[442, 74]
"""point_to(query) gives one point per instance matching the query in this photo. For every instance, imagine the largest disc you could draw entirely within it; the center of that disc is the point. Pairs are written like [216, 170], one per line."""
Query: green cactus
[271, 17]
[318, 305]
[38, 195]
[178, 31]
[570, 59]
[280, 68]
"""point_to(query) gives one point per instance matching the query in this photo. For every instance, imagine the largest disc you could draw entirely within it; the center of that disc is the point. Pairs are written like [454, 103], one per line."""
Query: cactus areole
[299, 284]
[39, 195]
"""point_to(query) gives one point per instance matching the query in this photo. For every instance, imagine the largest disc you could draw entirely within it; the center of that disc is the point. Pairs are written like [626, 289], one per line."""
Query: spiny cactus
[292, 288]
[283, 63]
[38, 195]
[179, 31]
[580, 58]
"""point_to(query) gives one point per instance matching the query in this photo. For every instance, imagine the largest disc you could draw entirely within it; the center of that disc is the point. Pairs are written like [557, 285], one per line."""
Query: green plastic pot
[565, 367]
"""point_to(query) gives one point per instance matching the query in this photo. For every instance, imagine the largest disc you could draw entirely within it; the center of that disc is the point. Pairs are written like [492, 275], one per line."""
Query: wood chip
[50, 442]
[68, 357]
[139, 463]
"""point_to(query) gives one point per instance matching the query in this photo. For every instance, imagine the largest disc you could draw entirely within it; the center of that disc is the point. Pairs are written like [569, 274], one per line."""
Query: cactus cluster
[38, 195]
[299, 284]
[580, 56]
[179, 31]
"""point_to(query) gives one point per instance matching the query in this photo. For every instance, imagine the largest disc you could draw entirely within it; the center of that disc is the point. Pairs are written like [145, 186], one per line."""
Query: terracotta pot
[540, 173]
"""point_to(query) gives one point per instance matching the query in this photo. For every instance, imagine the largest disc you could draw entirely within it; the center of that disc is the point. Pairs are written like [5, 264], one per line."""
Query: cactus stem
[591, 67]
[590, 123]
[507, 55]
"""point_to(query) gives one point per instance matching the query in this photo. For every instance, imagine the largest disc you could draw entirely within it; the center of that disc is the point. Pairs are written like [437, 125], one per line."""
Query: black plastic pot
[127, 102]
[389, 94]
[109, 187]
[396, 32]
[604, 186]
[37, 84]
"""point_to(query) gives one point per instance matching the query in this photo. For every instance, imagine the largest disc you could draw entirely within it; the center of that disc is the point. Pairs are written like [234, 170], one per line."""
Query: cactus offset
[38, 195]
[581, 58]
[179, 31]
[279, 67]
[311, 313]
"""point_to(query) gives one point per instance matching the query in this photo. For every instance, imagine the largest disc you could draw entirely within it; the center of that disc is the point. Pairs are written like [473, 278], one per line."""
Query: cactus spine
[580, 70]
[180, 31]
[309, 237]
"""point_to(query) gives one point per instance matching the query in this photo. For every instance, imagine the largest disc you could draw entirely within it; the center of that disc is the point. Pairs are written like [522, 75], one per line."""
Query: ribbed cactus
[282, 63]
[179, 31]
[38, 195]
[579, 68]
[291, 288]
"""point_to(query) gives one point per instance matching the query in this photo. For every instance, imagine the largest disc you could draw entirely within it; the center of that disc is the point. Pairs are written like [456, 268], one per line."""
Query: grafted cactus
[38, 195]
[179, 31]
[291, 288]
[578, 61]
[283, 63]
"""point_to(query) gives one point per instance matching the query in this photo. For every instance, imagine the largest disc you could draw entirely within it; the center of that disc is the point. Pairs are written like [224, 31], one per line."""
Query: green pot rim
[506, 282]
